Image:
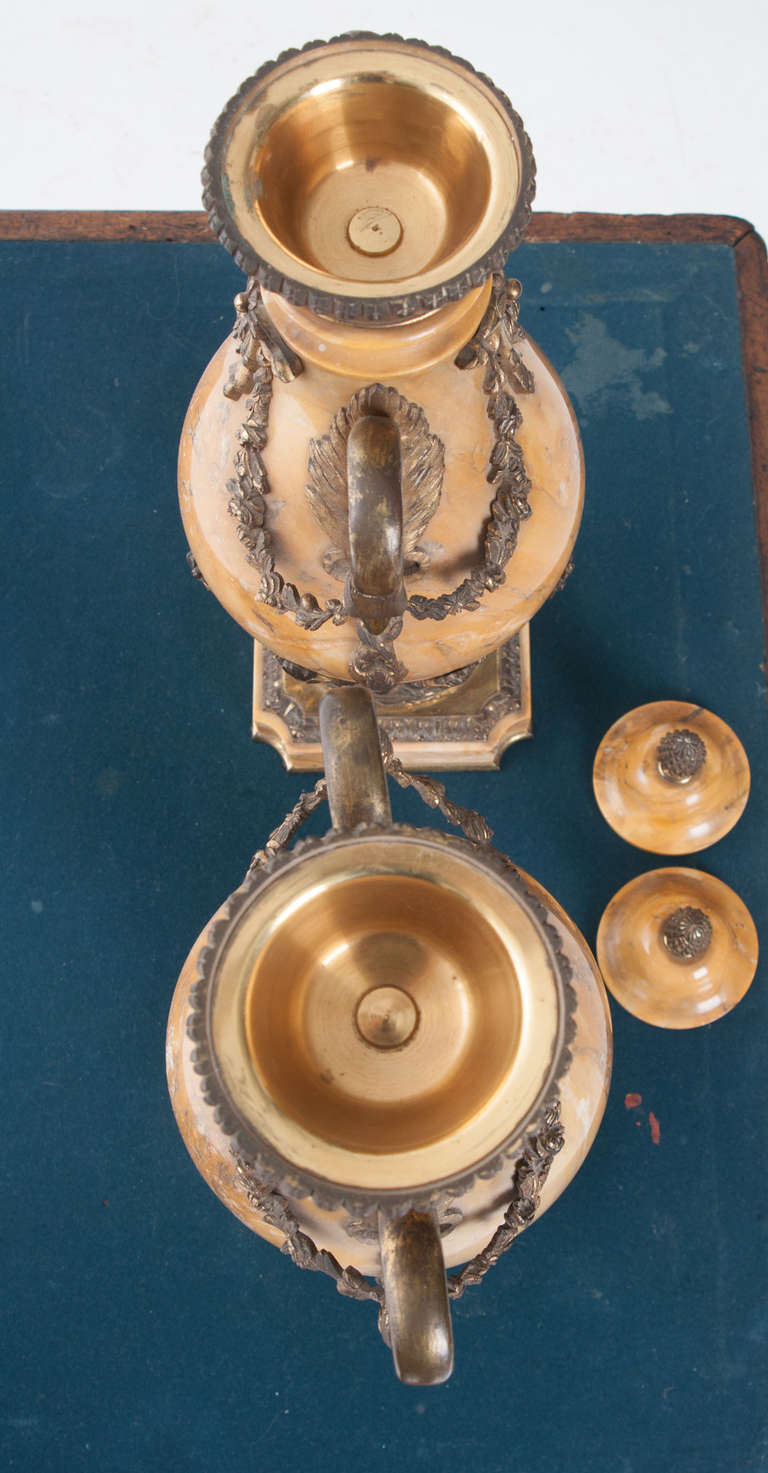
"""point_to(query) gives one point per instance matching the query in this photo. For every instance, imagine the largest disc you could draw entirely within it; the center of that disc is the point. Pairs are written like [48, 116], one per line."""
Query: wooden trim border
[752, 282]
[179, 225]
[176, 225]
[645, 229]
[750, 263]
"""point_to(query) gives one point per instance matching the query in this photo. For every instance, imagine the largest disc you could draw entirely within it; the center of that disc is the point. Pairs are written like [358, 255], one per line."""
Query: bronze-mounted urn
[390, 1049]
[380, 474]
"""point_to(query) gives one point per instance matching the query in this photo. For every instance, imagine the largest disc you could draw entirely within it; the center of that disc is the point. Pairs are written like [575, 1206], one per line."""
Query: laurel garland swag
[263, 355]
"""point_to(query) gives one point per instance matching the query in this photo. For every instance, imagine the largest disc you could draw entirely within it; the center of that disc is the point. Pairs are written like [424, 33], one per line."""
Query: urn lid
[671, 777]
[677, 948]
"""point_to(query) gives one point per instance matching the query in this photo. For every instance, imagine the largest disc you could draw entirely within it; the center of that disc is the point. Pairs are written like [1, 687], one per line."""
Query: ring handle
[416, 1297]
[375, 520]
[354, 771]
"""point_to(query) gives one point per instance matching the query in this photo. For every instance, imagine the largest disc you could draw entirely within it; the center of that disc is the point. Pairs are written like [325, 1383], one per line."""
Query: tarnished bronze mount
[368, 477]
[466, 722]
[375, 522]
[530, 1174]
[432, 189]
[687, 933]
[680, 755]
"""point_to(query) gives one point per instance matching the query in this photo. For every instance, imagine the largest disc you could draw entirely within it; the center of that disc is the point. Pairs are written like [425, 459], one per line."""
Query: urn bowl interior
[371, 181]
[386, 1010]
[382, 1013]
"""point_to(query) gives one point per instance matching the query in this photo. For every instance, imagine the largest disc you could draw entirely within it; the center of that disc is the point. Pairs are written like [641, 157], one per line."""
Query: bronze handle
[413, 1269]
[416, 1297]
[375, 512]
[354, 771]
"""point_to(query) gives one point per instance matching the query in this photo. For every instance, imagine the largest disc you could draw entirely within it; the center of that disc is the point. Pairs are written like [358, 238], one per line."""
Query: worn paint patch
[108, 782]
[603, 370]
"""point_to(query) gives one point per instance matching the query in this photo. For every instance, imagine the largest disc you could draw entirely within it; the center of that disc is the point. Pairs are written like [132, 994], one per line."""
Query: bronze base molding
[465, 726]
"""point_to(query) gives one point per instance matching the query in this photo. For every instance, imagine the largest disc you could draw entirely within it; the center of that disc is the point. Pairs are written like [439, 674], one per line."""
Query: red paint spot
[631, 1102]
[655, 1128]
[105, 1203]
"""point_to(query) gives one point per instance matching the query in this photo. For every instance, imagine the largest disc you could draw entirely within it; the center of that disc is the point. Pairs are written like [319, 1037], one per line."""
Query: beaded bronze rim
[356, 304]
[266, 1163]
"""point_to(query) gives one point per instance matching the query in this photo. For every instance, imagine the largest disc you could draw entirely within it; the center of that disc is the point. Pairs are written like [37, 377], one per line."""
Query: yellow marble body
[417, 359]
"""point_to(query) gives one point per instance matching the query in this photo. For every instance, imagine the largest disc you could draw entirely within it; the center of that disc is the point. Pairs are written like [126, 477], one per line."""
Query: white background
[644, 107]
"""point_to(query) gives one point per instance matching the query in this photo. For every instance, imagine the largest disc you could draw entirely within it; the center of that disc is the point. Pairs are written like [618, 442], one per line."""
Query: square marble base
[455, 727]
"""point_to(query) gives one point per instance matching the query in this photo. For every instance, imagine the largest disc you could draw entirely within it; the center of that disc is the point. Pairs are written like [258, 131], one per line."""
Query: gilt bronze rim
[270, 1164]
[262, 254]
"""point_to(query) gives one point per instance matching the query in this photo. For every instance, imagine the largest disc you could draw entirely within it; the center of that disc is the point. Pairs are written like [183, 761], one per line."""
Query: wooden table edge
[180, 225]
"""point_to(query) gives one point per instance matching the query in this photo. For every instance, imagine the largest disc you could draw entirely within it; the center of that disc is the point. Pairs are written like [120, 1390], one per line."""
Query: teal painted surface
[146, 1328]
